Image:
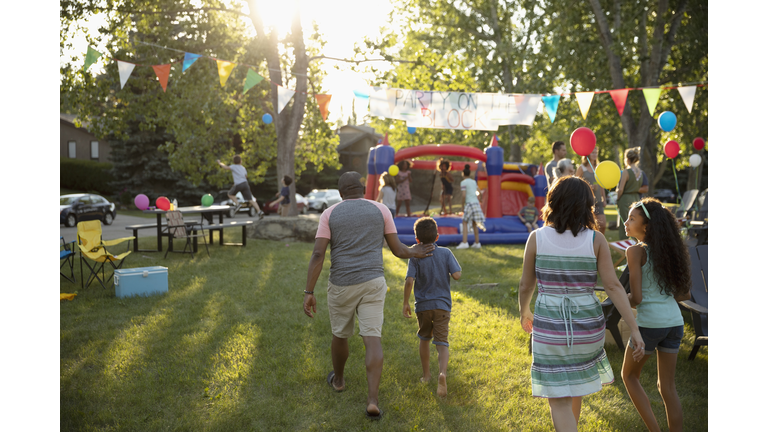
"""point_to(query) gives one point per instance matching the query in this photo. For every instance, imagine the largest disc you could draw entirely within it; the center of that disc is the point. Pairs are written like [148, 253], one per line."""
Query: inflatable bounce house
[504, 187]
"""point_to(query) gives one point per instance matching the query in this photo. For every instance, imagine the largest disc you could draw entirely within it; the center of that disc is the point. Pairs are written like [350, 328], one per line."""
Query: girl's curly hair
[570, 205]
[668, 253]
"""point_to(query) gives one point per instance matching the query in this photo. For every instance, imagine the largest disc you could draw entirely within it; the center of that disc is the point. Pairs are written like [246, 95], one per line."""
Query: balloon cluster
[607, 173]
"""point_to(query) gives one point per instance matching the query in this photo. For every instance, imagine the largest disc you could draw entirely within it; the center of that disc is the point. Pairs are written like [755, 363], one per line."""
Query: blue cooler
[141, 281]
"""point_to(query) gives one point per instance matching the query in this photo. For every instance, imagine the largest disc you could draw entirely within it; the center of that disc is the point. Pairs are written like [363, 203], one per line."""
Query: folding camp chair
[179, 229]
[699, 301]
[683, 210]
[93, 248]
[621, 246]
[67, 257]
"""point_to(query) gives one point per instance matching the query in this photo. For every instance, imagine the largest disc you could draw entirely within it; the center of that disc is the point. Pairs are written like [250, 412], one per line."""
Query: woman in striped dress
[568, 326]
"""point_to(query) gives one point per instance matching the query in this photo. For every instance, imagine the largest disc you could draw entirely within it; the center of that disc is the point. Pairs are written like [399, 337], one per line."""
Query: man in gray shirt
[356, 229]
[558, 152]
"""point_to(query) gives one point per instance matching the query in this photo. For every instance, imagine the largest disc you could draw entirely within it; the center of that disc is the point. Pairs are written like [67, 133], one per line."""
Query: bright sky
[342, 22]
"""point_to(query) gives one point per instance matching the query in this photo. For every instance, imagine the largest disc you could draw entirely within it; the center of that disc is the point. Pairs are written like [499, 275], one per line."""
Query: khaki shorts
[284, 209]
[366, 300]
[434, 323]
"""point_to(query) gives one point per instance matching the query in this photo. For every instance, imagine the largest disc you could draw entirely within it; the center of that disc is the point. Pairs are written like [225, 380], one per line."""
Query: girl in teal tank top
[659, 277]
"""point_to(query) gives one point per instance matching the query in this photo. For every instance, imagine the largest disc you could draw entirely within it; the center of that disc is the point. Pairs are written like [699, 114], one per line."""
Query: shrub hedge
[86, 175]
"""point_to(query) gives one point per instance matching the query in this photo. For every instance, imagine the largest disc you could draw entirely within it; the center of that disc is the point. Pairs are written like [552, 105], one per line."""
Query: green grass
[228, 348]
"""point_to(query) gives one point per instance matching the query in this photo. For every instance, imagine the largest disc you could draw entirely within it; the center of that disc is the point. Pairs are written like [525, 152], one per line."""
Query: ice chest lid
[142, 270]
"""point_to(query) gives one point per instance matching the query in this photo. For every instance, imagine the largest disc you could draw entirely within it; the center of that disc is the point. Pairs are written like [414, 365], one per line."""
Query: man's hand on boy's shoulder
[422, 250]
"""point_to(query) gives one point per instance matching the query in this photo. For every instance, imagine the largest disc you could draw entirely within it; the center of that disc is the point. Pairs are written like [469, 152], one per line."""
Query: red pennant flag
[494, 141]
[386, 139]
[162, 72]
[541, 169]
[620, 99]
[323, 100]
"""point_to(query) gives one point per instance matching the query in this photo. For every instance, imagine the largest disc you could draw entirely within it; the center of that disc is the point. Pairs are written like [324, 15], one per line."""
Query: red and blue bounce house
[505, 190]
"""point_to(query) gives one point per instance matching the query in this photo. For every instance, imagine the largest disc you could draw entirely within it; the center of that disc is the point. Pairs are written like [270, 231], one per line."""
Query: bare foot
[425, 379]
[442, 386]
[373, 411]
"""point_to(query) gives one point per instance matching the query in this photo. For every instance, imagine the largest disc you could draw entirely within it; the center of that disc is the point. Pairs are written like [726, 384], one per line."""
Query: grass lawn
[228, 348]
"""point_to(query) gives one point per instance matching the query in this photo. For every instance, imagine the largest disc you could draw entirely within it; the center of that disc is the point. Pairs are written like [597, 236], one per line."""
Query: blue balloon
[667, 121]
[266, 118]
[411, 130]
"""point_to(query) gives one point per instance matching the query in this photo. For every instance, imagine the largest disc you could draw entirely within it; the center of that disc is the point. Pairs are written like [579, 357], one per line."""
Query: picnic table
[214, 209]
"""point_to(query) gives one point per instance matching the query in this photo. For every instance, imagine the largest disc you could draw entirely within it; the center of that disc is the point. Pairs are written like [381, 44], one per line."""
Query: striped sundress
[568, 322]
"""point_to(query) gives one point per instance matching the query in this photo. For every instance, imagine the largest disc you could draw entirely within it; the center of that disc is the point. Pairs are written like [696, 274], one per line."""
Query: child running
[387, 193]
[472, 210]
[659, 276]
[431, 282]
[444, 167]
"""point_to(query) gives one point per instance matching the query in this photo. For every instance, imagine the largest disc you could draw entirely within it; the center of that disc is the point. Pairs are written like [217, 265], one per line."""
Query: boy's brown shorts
[434, 323]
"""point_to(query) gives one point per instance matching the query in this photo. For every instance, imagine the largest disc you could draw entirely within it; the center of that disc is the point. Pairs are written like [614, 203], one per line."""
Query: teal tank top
[658, 309]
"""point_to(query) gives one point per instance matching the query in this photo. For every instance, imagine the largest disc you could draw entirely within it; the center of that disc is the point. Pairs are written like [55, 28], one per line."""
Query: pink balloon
[698, 143]
[162, 203]
[141, 201]
[583, 141]
[671, 149]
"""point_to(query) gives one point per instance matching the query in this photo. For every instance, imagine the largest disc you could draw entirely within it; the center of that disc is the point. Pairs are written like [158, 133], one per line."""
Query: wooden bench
[136, 228]
[220, 228]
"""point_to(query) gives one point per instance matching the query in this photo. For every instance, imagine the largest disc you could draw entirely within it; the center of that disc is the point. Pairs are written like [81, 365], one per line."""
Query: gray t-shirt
[549, 171]
[432, 279]
[356, 231]
[238, 173]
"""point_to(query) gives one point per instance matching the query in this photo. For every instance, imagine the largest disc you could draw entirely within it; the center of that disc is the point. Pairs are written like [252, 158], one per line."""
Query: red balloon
[583, 141]
[698, 143]
[671, 149]
[162, 203]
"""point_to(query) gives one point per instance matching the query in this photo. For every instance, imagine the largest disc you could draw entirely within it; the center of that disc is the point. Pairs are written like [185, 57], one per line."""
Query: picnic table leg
[135, 240]
[221, 231]
[244, 237]
[159, 233]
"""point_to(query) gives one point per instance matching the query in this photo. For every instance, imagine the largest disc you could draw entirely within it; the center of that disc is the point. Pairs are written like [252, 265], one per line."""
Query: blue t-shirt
[432, 279]
[286, 193]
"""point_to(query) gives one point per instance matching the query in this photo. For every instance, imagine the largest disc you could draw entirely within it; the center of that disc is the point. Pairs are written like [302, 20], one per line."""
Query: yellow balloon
[607, 174]
[393, 170]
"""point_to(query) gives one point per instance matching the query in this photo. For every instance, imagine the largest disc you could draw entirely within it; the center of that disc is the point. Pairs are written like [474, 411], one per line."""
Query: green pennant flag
[91, 57]
[651, 98]
[251, 80]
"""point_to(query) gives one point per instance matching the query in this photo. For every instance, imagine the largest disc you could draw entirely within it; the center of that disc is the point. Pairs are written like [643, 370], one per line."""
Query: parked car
[301, 205]
[245, 206]
[664, 195]
[321, 199]
[75, 208]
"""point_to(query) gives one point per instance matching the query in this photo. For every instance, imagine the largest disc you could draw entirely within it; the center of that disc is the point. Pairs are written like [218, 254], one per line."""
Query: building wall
[82, 138]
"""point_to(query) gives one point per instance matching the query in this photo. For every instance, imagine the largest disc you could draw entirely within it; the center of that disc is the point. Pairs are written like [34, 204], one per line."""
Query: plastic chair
[699, 301]
[93, 248]
[67, 256]
[179, 229]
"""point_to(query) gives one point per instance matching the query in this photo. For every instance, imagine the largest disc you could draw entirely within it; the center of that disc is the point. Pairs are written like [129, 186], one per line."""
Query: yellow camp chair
[93, 248]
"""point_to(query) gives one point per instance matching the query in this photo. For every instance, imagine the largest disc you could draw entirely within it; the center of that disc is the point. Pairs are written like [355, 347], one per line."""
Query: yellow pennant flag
[585, 101]
[225, 68]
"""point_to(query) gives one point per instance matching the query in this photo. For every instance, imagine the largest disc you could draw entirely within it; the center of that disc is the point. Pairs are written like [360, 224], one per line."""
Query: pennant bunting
[620, 99]
[361, 93]
[323, 100]
[284, 96]
[125, 69]
[162, 72]
[90, 58]
[225, 68]
[189, 58]
[687, 93]
[651, 98]
[251, 80]
[550, 103]
[391, 99]
[585, 101]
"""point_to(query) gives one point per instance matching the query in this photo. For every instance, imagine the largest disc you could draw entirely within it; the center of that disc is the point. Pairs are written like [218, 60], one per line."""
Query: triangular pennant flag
[550, 103]
[585, 101]
[125, 69]
[251, 80]
[90, 58]
[162, 72]
[651, 98]
[391, 99]
[323, 100]
[620, 99]
[494, 141]
[189, 58]
[687, 93]
[284, 95]
[225, 68]
[541, 169]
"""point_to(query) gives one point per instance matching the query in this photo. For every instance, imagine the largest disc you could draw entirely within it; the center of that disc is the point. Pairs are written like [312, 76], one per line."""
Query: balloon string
[674, 171]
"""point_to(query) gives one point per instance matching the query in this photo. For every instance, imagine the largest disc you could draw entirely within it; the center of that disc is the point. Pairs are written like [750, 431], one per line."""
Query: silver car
[321, 199]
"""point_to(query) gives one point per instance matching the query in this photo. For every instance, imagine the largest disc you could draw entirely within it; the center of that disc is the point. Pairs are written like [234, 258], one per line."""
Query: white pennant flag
[585, 101]
[687, 93]
[125, 70]
[284, 95]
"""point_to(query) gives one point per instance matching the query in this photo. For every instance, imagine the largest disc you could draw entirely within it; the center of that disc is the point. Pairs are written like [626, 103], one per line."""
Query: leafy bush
[86, 175]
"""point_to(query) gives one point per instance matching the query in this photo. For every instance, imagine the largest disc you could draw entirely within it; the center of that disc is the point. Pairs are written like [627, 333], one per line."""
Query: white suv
[321, 199]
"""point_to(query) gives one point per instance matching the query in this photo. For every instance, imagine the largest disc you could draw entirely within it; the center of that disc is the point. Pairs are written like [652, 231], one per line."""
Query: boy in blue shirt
[431, 279]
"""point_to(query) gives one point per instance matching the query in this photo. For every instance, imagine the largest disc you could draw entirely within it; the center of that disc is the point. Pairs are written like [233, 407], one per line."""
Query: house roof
[356, 133]
[70, 118]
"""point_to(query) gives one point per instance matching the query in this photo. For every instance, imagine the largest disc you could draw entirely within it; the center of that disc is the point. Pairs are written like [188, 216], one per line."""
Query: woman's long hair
[570, 205]
[668, 253]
